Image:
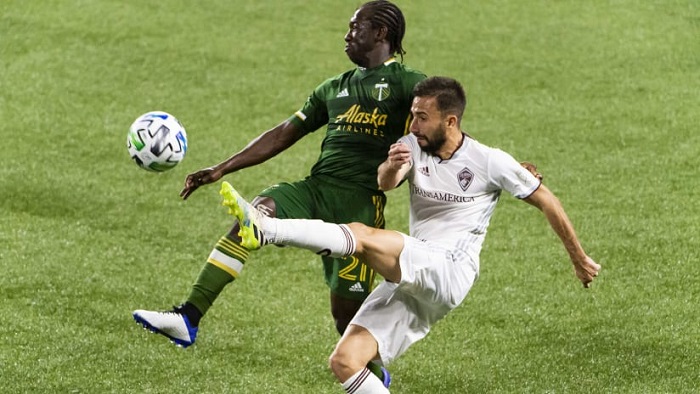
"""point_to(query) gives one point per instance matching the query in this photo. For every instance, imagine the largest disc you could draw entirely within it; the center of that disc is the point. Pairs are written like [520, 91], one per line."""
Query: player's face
[359, 40]
[428, 124]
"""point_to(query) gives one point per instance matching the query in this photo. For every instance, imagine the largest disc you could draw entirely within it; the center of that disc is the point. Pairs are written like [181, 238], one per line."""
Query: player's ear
[381, 33]
[452, 121]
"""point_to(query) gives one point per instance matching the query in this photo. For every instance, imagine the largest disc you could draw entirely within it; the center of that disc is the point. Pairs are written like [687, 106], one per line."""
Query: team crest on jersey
[381, 91]
[465, 178]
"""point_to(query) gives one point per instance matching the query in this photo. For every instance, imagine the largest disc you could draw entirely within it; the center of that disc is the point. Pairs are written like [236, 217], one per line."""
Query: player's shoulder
[336, 79]
[332, 84]
[493, 156]
[407, 71]
[403, 78]
[475, 144]
[476, 151]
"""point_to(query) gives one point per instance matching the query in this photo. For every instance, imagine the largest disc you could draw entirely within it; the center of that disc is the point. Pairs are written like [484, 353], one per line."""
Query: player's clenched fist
[399, 154]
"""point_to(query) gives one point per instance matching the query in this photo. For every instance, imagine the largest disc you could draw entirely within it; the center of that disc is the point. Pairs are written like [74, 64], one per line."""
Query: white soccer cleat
[171, 324]
[249, 218]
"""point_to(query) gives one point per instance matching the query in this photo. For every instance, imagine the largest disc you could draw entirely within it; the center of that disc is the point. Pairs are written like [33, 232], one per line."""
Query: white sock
[364, 382]
[326, 239]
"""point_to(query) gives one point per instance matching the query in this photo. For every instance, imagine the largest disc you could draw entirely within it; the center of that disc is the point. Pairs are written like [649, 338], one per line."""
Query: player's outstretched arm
[262, 148]
[585, 268]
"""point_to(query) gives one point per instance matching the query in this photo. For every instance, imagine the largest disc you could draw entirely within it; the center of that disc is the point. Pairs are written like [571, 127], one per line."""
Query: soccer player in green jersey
[364, 111]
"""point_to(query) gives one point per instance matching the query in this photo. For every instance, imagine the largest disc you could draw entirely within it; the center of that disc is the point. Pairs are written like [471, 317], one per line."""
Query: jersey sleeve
[314, 113]
[406, 139]
[507, 174]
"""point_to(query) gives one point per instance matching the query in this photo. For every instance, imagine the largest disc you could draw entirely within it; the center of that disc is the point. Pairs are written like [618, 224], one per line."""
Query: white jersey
[451, 205]
[452, 200]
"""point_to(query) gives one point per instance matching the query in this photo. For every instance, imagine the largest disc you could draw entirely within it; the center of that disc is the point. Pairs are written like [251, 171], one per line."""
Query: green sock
[210, 283]
[223, 266]
[375, 369]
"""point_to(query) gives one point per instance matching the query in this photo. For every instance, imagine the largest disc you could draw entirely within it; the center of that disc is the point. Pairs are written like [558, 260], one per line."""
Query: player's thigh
[438, 276]
[293, 200]
[380, 249]
[348, 277]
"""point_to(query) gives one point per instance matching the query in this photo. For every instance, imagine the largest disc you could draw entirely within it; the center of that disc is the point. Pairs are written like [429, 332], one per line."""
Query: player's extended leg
[379, 248]
[224, 264]
[353, 352]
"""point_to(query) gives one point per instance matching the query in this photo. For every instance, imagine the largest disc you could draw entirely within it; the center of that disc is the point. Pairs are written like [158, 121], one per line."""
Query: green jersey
[365, 111]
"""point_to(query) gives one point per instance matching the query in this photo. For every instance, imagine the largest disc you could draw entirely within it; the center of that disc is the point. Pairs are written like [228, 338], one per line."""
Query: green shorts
[332, 201]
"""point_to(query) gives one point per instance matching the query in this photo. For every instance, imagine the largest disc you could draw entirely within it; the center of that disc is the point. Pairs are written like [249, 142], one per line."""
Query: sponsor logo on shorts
[357, 288]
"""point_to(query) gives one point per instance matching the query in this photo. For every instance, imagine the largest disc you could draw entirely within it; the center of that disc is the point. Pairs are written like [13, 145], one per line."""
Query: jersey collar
[386, 63]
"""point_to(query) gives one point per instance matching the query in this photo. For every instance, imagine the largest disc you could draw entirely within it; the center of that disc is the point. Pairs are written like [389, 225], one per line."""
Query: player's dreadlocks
[387, 14]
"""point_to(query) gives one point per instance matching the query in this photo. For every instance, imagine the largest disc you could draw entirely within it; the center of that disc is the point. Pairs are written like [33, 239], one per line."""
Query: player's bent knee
[341, 364]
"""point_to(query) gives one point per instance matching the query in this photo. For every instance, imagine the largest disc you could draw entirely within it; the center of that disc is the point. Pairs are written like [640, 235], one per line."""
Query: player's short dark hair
[384, 13]
[449, 94]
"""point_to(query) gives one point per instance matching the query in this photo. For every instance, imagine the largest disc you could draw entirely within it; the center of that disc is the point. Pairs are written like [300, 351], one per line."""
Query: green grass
[602, 95]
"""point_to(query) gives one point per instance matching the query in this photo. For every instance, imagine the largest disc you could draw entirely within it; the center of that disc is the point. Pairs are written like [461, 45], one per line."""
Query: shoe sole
[387, 378]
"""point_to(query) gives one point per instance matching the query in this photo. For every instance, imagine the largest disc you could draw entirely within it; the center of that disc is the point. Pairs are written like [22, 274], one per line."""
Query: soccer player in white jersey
[455, 183]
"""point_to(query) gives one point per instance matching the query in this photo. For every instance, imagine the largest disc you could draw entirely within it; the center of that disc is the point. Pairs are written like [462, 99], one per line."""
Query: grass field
[603, 95]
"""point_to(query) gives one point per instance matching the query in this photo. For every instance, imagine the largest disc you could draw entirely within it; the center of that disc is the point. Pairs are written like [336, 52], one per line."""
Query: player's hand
[586, 270]
[532, 168]
[399, 154]
[199, 178]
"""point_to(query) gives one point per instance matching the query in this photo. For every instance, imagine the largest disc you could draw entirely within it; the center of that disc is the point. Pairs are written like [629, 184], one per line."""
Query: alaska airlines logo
[381, 91]
[356, 116]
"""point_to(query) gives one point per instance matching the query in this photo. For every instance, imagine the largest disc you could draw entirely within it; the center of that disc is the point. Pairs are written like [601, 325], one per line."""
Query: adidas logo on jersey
[343, 93]
[356, 288]
[424, 170]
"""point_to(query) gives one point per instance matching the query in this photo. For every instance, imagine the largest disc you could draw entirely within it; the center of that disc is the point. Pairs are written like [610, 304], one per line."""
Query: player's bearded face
[428, 124]
[430, 141]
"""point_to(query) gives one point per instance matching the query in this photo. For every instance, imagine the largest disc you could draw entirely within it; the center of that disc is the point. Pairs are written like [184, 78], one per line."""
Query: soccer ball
[157, 141]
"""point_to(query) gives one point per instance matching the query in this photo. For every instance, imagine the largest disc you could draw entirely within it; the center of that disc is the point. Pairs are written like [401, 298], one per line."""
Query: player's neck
[378, 57]
[454, 141]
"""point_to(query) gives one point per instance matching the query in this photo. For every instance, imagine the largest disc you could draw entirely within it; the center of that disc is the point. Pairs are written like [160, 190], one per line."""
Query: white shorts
[434, 280]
